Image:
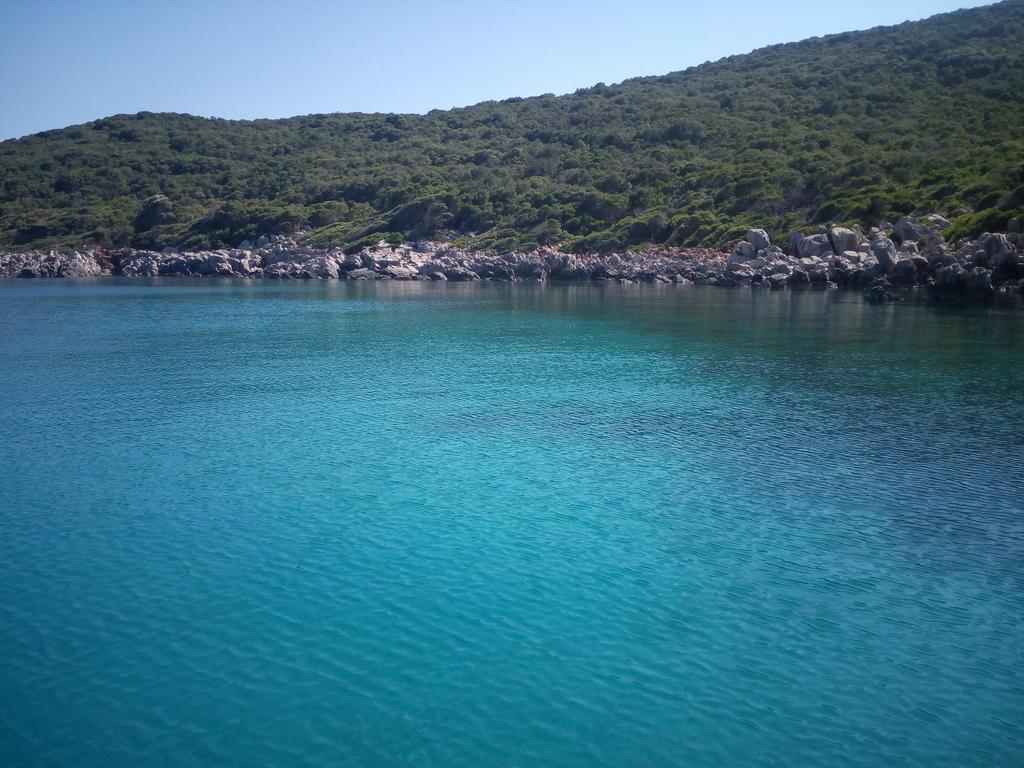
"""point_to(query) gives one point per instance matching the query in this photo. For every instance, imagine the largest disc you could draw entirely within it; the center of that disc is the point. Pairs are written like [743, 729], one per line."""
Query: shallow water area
[333, 523]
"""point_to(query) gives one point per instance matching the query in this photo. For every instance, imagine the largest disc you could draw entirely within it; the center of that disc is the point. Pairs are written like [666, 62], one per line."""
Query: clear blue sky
[68, 61]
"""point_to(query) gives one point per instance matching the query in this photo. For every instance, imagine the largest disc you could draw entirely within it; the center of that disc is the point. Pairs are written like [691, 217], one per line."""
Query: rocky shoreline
[883, 262]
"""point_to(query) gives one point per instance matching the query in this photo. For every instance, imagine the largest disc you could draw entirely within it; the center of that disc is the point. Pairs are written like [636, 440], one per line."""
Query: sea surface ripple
[312, 524]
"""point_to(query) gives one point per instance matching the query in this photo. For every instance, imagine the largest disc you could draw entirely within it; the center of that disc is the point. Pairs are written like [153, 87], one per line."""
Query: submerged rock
[881, 292]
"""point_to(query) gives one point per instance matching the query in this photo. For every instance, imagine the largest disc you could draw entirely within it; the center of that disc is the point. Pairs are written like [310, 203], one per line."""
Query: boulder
[815, 245]
[352, 261]
[884, 250]
[396, 272]
[844, 240]
[860, 277]
[936, 245]
[461, 274]
[880, 292]
[818, 276]
[79, 265]
[505, 273]
[173, 266]
[142, 264]
[799, 277]
[195, 263]
[276, 272]
[322, 268]
[741, 271]
[951, 279]
[993, 244]
[904, 273]
[839, 273]
[1005, 266]
[217, 264]
[795, 238]
[534, 270]
[758, 238]
[908, 229]
[936, 222]
[979, 283]
[744, 251]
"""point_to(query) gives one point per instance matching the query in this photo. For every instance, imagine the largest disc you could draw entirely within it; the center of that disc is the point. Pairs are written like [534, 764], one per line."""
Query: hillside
[924, 116]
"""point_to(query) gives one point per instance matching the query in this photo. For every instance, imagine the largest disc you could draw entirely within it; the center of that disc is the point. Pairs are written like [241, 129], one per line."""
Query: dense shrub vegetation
[925, 116]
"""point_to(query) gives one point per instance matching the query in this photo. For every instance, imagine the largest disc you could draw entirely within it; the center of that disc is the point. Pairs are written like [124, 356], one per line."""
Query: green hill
[924, 116]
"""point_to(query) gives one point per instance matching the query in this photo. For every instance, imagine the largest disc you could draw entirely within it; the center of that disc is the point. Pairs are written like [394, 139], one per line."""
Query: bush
[691, 158]
[973, 224]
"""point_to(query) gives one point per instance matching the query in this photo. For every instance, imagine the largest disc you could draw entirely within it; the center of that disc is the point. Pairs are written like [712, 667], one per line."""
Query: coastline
[911, 254]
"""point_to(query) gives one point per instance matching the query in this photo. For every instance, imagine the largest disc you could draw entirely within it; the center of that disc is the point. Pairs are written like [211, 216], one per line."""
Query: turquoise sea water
[328, 524]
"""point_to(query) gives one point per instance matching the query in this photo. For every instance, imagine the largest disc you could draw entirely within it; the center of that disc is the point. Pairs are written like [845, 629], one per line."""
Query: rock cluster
[914, 255]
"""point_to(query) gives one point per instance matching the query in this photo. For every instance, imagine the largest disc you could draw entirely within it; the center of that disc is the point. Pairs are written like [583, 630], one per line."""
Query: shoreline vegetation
[911, 254]
[852, 128]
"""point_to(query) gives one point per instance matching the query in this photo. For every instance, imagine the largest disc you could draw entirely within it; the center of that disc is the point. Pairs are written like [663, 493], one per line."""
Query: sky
[64, 62]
